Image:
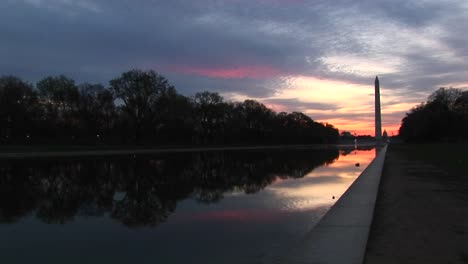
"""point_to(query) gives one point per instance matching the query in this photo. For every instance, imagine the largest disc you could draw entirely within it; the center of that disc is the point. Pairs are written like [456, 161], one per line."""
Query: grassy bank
[449, 157]
[421, 214]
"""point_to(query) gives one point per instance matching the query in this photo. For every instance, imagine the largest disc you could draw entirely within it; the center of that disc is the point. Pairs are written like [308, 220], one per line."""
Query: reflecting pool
[200, 207]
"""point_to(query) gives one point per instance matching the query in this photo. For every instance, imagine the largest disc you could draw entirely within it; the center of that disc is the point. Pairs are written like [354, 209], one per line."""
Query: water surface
[203, 207]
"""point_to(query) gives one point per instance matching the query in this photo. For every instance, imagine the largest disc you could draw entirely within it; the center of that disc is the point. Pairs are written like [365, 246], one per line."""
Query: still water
[203, 207]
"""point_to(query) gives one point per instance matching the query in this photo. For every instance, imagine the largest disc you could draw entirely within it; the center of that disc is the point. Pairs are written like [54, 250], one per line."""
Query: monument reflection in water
[207, 207]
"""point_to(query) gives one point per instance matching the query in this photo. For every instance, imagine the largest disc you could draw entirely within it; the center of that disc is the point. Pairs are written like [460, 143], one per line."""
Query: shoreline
[44, 152]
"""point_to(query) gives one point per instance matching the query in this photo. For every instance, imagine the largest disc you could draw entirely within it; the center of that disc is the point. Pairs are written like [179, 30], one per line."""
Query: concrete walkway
[341, 235]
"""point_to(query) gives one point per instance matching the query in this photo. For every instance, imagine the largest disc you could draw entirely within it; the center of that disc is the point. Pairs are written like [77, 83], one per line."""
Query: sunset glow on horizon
[347, 106]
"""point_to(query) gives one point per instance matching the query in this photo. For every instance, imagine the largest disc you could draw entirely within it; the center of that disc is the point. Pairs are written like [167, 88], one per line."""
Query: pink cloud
[239, 72]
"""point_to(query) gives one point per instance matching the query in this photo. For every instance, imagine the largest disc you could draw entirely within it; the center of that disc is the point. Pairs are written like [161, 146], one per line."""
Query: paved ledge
[341, 235]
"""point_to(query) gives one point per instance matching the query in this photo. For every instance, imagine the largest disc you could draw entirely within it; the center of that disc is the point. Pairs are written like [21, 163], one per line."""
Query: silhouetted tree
[175, 119]
[442, 117]
[257, 121]
[142, 107]
[211, 115]
[96, 112]
[19, 110]
[445, 97]
[140, 92]
[59, 99]
[461, 103]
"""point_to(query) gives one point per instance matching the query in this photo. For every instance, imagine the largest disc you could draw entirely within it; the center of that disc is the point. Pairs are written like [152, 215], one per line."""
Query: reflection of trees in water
[141, 191]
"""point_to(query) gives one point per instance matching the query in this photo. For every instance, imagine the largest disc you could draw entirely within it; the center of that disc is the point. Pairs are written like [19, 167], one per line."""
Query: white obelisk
[378, 117]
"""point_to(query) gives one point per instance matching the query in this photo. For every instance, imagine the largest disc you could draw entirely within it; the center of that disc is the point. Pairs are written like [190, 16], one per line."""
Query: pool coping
[341, 235]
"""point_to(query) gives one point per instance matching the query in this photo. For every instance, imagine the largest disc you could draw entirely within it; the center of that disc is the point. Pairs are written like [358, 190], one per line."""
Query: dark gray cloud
[410, 13]
[189, 85]
[118, 36]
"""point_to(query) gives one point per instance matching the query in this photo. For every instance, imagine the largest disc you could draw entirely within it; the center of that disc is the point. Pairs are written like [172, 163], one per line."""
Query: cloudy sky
[315, 56]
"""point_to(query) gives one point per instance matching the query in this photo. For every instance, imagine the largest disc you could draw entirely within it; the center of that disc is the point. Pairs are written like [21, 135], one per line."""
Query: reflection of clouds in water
[310, 195]
[320, 186]
[355, 156]
[307, 180]
[345, 165]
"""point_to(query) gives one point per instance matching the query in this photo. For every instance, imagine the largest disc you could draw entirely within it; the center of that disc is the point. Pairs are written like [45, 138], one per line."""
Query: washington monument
[378, 117]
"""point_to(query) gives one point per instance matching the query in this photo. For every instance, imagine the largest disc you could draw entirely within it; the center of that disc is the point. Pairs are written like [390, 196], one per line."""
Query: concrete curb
[341, 235]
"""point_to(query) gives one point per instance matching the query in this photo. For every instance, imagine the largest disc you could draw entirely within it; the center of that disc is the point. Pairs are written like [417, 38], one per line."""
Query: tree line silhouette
[142, 107]
[142, 190]
[444, 117]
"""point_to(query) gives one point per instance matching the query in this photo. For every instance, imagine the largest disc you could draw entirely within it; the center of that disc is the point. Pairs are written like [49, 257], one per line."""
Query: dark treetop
[443, 117]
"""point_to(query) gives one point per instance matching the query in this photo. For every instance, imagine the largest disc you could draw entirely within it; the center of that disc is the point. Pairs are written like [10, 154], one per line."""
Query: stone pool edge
[341, 235]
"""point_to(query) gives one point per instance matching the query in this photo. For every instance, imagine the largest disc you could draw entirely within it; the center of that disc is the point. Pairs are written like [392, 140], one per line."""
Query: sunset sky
[315, 56]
